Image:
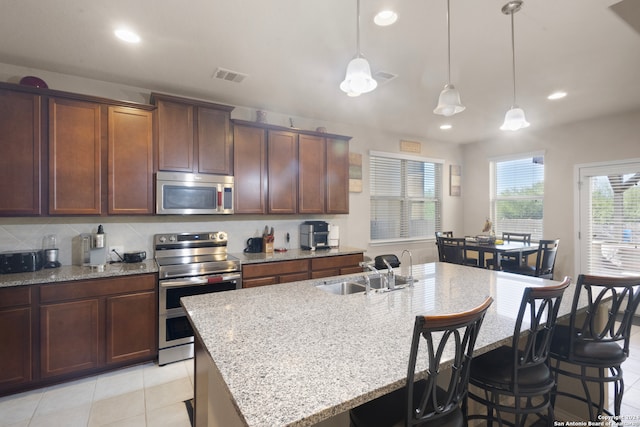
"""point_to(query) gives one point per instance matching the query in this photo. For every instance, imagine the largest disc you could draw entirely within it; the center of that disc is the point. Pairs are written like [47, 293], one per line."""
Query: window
[406, 197]
[518, 195]
[610, 219]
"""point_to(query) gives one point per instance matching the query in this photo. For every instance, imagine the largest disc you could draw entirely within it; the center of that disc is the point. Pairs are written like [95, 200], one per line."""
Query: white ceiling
[295, 54]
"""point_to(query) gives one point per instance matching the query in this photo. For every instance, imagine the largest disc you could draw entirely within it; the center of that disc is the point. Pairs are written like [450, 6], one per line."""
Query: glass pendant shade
[514, 120]
[449, 102]
[358, 78]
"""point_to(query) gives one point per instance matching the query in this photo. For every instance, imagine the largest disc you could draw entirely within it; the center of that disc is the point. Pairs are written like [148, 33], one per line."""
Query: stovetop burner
[191, 254]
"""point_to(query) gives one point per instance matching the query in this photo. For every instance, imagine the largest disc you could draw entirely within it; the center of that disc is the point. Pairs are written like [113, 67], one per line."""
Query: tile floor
[150, 395]
[139, 396]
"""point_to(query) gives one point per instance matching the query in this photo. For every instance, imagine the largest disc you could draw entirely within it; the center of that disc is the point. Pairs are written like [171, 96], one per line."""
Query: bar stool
[590, 344]
[516, 379]
[425, 403]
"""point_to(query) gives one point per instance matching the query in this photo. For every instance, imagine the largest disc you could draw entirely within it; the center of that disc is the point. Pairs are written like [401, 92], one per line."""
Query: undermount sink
[357, 285]
[343, 288]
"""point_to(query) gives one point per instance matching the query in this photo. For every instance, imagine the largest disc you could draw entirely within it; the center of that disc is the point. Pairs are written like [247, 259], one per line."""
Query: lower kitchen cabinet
[87, 325]
[336, 265]
[59, 331]
[16, 336]
[271, 273]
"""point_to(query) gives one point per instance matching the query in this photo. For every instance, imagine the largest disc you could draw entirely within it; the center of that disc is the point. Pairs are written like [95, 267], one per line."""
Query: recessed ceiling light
[127, 35]
[385, 18]
[445, 127]
[557, 95]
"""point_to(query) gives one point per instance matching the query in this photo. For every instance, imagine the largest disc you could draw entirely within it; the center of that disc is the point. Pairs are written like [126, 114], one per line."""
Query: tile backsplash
[136, 233]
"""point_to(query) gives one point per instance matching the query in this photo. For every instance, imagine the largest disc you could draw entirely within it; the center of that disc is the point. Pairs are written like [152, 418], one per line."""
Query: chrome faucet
[367, 284]
[410, 278]
[375, 270]
[391, 275]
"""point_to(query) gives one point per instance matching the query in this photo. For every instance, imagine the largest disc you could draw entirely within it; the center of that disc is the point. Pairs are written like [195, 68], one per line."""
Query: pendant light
[358, 78]
[449, 100]
[514, 118]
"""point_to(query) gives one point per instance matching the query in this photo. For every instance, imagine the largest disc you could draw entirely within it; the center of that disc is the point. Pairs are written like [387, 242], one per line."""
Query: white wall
[137, 232]
[601, 139]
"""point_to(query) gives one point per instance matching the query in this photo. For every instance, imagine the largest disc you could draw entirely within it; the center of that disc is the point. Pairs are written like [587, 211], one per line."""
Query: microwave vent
[228, 75]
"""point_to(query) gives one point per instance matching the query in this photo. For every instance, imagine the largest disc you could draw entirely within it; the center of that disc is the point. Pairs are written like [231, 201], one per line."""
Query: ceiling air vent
[383, 77]
[228, 75]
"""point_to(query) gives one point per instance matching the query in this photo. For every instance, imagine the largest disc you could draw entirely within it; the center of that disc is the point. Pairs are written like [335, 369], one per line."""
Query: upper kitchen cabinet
[130, 163]
[193, 136]
[337, 194]
[312, 168]
[21, 160]
[250, 169]
[100, 158]
[282, 171]
[75, 157]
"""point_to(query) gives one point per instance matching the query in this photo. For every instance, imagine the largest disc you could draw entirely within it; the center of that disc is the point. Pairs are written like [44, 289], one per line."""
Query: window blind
[518, 195]
[406, 198]
[613, 220]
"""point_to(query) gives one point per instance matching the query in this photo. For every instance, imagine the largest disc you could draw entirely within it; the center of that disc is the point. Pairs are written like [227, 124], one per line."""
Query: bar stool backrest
[457, 332]
[618, 297]
[538, 312]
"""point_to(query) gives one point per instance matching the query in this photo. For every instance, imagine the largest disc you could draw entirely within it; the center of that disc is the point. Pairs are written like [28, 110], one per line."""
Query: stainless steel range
[189, 264]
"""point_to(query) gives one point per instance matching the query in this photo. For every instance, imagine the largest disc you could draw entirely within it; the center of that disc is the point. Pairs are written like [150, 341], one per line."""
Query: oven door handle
[206, 280]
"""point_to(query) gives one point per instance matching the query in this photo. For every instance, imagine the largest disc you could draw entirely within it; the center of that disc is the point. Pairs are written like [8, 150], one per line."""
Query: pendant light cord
[358, 28]
[513, 56]
[448, 45]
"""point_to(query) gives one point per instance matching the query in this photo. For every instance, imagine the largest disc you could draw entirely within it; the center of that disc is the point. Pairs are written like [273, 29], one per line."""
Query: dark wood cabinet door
[16, 336]
[69, 337]
[75, 157]
[282, 160]
[175, 136]
[131, 327]
[311, 182]
[250, 169]
[130, 165]
[215, 145]
[20, 162]
[337, 176]
[15, 347]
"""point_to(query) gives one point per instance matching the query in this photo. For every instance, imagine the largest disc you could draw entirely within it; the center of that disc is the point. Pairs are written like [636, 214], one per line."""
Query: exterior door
[609, 218]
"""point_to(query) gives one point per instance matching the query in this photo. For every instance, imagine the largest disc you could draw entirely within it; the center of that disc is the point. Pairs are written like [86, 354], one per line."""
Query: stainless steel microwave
[179, 193]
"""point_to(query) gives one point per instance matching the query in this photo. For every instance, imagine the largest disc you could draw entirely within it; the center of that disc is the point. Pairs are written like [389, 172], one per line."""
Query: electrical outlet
[112, 255]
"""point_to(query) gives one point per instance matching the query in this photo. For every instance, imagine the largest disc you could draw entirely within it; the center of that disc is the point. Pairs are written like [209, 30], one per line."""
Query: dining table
[294, 355]
[499, 249]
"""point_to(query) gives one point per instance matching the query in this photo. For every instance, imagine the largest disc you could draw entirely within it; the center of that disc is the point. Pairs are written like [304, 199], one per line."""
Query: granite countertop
[294, 254]
[67, 273]
[292, 354]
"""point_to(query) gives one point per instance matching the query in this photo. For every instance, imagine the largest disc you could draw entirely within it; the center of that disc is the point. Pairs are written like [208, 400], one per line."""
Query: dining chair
[439, 235]
[454, 250]
[516, 379]
[436, 400]
[545, 261]
[596, 340]
[511, 260]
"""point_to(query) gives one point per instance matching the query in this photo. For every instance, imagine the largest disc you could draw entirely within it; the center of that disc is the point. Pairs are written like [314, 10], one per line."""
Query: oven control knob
[162, 239]
[172, 238]
[221, 236]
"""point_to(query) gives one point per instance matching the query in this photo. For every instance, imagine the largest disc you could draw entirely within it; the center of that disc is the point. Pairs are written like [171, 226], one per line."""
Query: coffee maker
[90, 249]
[50, 249]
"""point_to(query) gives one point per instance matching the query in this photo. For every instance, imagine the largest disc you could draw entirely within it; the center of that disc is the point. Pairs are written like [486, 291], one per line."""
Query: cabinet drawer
[336, 261]
[286, 278]
[96, 288]
[15, 296]
[325, 273]
[275, 268]
[261, 281]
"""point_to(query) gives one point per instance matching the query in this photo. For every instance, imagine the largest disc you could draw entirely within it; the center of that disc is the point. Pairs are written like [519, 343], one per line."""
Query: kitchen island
[292, 354]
